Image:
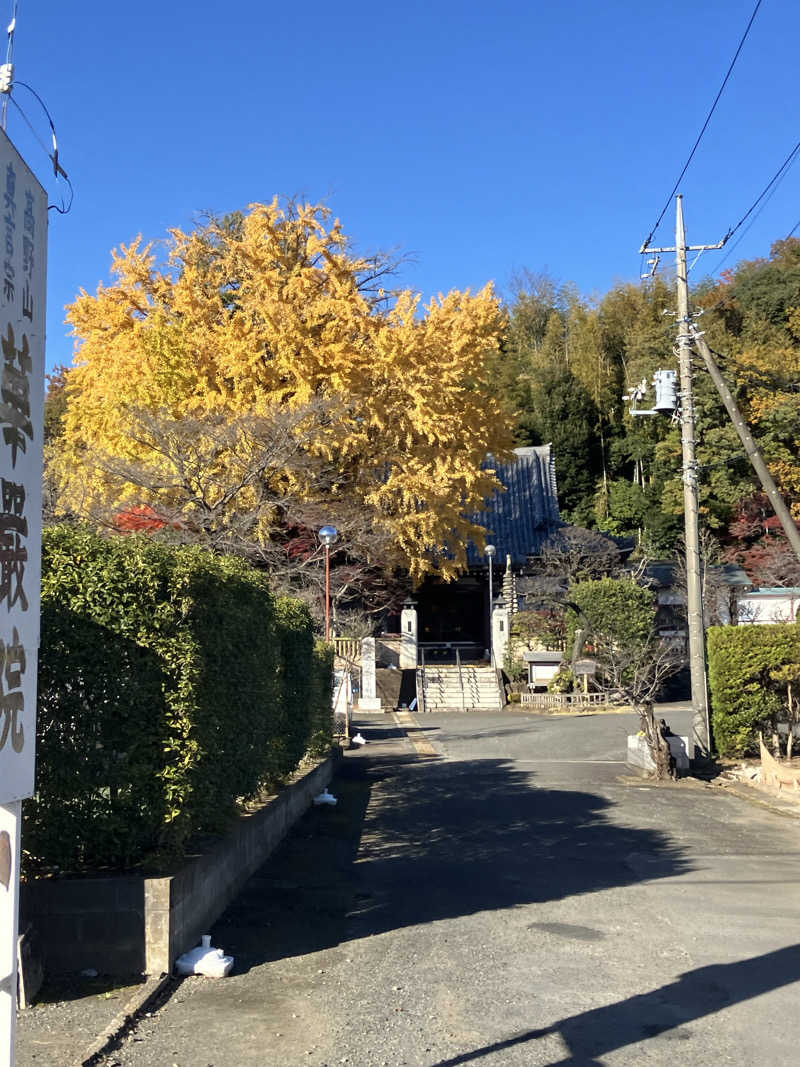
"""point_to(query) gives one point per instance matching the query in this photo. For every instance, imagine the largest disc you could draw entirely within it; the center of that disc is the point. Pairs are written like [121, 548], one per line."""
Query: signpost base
[10, 827]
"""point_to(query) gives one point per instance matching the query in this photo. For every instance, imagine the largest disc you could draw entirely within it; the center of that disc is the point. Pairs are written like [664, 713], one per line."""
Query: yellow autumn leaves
[266, 346]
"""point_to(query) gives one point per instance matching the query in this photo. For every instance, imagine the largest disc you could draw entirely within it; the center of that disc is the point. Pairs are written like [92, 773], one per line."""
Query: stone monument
[368, 699]
[408, 636]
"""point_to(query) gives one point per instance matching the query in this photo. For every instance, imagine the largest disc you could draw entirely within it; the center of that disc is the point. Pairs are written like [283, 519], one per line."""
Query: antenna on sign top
[7, 85]
[7, 68]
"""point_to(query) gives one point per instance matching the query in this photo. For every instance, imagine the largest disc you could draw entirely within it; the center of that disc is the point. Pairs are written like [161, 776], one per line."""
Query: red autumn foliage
[757, 543]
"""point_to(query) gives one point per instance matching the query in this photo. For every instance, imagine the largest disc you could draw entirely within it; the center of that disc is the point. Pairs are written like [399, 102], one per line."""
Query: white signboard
[23, 260]
[23, 255]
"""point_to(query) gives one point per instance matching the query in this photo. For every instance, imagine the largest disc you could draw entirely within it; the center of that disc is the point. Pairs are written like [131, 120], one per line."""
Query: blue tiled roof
[520, 520]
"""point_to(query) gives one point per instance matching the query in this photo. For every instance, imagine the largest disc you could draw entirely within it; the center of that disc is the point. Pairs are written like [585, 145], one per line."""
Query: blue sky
[479, 139]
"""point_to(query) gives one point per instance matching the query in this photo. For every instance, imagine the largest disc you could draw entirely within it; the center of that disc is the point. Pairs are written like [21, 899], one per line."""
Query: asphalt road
[512, 899]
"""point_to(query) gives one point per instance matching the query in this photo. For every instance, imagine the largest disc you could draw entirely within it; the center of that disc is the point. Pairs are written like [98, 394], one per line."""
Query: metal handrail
[475, 686]
[420, 675]
[460, 680]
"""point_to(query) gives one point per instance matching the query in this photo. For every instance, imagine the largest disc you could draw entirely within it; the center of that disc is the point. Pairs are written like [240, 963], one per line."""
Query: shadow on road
[665, 1010]
[389, 733]
[440, 839]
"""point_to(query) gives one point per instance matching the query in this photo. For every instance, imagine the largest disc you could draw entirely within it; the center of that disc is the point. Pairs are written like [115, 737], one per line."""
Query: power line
[58, 170]
[765, 195]
[705, 125]
[777, 176]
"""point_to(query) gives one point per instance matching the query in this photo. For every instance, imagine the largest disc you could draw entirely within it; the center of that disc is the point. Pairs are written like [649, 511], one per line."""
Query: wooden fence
[565, 700]
[349, 649]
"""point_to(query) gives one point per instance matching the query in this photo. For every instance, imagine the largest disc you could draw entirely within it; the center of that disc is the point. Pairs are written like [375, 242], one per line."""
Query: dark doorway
[453, 612]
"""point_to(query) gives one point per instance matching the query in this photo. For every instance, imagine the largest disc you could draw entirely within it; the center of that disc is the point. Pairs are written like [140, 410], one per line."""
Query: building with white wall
[775, 604]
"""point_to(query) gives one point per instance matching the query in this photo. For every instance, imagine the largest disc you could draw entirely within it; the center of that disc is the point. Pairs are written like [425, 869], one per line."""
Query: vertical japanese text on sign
[22, 336]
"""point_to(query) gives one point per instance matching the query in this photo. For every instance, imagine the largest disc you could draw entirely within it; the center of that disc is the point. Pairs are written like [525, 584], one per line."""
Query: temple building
[456, 615]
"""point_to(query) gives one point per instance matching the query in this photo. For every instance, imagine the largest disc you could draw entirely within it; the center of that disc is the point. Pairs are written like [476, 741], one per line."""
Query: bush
[745, 698]
[172, 684]
[563, 681]
[514, 665]
[305, 672]
[320, 703]
[616, 609]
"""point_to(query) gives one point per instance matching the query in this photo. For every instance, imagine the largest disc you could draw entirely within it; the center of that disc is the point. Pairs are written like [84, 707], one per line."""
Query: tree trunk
[790, 737]
[656, 742]
[776, 743]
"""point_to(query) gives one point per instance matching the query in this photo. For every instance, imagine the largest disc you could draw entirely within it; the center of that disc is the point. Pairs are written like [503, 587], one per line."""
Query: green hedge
[744, 696]
[172, 684]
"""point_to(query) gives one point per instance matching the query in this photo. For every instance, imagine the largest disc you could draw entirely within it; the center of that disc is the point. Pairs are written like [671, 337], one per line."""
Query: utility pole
[701, 727]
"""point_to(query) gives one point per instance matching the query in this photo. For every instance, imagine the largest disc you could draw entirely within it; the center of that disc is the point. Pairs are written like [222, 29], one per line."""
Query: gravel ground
[68, 1015]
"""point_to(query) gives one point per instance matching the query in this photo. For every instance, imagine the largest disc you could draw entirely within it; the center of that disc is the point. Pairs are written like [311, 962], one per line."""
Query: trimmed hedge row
[172, 684]
[746, 696]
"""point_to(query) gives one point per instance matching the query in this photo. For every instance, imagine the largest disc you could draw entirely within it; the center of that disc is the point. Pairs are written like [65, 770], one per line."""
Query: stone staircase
[450, 688]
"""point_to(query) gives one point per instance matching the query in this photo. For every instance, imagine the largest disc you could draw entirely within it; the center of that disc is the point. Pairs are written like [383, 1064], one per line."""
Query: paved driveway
[512, 899]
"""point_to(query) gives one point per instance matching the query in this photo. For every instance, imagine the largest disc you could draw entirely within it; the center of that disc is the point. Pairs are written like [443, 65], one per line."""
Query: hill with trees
[567, 362]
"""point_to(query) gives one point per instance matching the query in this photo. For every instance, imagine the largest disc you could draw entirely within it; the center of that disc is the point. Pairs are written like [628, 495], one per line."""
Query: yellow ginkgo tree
[257, 378]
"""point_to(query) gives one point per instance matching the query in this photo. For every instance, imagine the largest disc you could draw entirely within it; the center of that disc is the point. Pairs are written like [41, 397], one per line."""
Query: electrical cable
[705, 125]
[64, 209]
[765, 195]
[777, 177]
[57, 169]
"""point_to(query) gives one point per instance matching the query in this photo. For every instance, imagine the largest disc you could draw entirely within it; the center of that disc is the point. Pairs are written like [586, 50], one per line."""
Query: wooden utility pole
[701, 727]
[701, 732]
[690, 337]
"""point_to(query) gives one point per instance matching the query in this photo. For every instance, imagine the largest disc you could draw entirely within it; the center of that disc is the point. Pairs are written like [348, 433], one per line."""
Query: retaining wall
[131, 924]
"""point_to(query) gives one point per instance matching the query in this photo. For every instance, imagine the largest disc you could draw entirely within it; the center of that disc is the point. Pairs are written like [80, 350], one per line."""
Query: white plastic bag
[211, 962]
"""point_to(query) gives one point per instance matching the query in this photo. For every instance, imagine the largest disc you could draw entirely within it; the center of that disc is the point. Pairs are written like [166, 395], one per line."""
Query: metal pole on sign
[10, 827]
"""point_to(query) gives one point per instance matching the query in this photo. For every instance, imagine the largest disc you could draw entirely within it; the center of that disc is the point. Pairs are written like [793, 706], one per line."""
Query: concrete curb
[134, 1007]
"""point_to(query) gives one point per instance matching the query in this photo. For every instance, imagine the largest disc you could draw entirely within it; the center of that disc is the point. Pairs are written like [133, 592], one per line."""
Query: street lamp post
[328, 535]
[491, 552]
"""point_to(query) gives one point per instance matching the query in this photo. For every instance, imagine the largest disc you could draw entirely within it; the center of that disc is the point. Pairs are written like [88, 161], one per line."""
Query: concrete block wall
[88, 922]
[134, 924]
